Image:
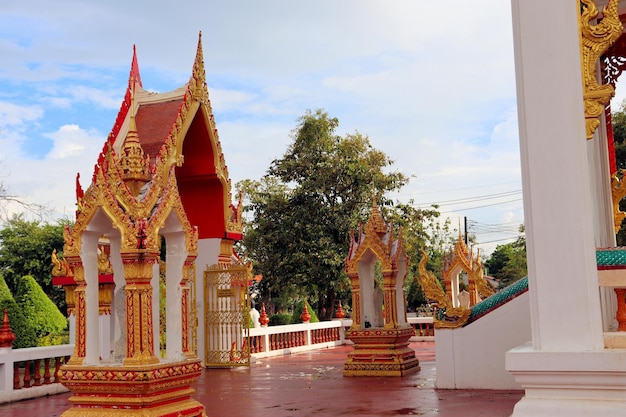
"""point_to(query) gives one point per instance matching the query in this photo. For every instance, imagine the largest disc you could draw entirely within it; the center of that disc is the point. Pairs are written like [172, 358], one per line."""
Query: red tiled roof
[154, 122]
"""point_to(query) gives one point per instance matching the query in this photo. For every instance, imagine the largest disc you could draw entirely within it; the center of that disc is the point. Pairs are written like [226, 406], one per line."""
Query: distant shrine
[154, 223]
[377, 265]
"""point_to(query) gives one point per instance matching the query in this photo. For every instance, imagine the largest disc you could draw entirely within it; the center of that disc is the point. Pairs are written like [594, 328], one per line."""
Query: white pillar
[105, 336]
[176, 255]
[603, 213]
[89, 257]
[565, 370]
[156, 295]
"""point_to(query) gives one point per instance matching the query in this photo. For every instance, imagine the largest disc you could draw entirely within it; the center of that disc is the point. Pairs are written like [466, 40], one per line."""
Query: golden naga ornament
[594, 41]
[483, 287]
[446, 316]
[618, 192]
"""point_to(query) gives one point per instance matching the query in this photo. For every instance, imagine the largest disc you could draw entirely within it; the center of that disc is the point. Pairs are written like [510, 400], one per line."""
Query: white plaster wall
[473, 357]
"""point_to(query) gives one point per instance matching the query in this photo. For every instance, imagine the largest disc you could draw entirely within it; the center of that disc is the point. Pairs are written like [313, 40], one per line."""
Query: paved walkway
[312, 384]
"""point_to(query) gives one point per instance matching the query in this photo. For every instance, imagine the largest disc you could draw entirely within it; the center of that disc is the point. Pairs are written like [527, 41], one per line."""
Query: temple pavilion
[159, 203]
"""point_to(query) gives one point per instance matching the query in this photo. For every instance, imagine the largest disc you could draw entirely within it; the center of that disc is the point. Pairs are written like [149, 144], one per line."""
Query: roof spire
[197, 82]
[134, 77]
[135, 165]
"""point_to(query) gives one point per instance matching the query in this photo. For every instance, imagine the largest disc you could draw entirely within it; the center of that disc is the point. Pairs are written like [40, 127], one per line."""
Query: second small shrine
[377, 265]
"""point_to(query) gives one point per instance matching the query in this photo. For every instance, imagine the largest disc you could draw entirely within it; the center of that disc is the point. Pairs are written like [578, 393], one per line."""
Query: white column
[118, 304]
[176, 255]
[603, 214]
[89, 257]
[105, 336]
[565, 370]
[156, 295]
[558, 210]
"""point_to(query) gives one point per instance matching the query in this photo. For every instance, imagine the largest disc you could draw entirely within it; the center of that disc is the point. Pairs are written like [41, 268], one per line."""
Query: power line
[472, 199]
[460, 189]
[477, 207]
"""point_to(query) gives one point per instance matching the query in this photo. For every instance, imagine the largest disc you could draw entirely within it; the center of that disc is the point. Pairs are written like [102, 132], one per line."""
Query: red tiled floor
[312, 384]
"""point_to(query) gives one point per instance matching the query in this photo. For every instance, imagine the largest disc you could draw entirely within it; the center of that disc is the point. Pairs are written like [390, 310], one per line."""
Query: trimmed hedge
[24, 332]
[297, 312]
[42, 314]
[279, 319]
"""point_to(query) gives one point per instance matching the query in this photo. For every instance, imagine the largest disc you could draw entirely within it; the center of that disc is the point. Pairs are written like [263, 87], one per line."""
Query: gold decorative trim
[594, 41]
[618, 192]
[446, 316]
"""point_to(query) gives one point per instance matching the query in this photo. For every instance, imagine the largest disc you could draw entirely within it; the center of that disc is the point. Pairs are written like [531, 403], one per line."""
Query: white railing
[31, 372]
[424, 328]
[292, 338]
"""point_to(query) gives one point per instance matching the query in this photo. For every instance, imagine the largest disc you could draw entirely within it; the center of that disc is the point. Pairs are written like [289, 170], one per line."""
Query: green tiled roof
[605, 258]
[498, 299]
[611, 257]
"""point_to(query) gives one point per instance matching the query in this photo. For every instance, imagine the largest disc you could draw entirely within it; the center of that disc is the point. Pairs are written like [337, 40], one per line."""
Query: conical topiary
[43, 315]
[297, 312]
[24, 332]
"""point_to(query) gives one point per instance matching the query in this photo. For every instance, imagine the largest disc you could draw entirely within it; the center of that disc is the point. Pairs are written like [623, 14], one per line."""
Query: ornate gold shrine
[461, 261]
[451, 309]
[135, 203]
[380, 331]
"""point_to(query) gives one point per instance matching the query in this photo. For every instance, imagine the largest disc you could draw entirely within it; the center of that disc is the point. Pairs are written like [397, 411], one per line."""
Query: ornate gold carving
[430, 284]
[135, 165]
[104, 264]
[150, 390]
[105, 296]
[446, 316]
[618, 191]
[594, 41]
[483, 288]
[60, 268]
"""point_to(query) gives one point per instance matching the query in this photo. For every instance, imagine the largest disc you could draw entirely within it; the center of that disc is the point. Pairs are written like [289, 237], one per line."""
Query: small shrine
[149, 213]
[461, 266]
[377, 265]
[452, 306]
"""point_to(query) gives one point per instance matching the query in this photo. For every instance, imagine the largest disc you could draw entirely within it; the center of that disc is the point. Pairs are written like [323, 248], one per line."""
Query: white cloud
[72, 141]
[13, 115]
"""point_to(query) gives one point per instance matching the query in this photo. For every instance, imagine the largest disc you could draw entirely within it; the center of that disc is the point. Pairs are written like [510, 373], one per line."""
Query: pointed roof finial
[376, 223]
[197, 82]
[135, 165]
[134, 78]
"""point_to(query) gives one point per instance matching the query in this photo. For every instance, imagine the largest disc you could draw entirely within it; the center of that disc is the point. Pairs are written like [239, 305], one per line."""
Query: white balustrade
[18, 382]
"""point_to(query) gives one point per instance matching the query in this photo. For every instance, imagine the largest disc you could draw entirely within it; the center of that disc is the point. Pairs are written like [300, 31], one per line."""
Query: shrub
[280, 319]
[297, 312]
[43, 315]
[24, 332]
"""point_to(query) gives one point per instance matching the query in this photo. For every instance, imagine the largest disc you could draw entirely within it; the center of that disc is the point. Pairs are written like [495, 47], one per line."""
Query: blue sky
[431, 83]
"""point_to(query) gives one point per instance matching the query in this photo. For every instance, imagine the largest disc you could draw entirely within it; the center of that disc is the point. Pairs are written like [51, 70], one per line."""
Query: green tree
[42, 314]
[619, 137]
[305, 206]
[508, 262]
[421, 228]
[24, 332]
[26, 249]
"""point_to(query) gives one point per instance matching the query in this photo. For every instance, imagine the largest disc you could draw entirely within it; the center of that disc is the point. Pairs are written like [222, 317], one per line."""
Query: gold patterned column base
[381, 352]
[147, 391]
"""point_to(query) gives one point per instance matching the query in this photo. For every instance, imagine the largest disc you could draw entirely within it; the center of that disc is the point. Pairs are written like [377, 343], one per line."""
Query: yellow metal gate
[227, 312]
